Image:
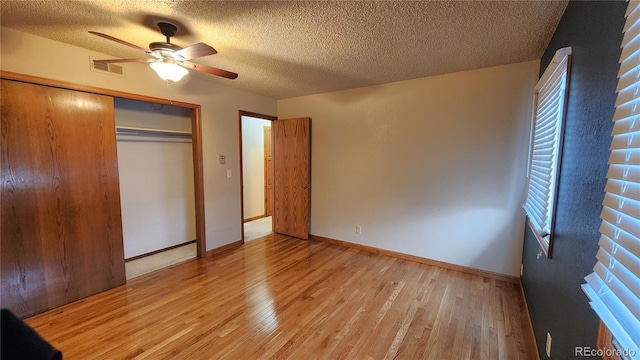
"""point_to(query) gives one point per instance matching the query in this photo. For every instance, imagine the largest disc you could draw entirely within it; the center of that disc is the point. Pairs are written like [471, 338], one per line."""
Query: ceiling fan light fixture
[169, 70]
[171, 61]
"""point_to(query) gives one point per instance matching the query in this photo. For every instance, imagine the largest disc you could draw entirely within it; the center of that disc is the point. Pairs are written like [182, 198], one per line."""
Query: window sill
[544, 244]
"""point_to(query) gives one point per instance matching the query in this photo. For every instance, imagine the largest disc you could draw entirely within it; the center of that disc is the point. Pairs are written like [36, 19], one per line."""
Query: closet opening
[156, 176]
[82, 238]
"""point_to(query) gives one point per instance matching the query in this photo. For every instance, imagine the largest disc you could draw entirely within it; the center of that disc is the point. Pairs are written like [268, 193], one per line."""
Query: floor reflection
[260, 305]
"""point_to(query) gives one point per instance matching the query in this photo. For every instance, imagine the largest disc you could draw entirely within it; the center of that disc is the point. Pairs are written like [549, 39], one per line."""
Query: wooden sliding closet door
[61, 236]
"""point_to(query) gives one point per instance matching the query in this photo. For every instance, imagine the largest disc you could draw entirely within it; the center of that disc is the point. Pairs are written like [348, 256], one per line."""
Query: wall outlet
[358, 229]
[228, 173]
[548, 346]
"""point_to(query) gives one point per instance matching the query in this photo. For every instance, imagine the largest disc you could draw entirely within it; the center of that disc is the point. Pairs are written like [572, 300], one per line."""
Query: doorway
[256, 175]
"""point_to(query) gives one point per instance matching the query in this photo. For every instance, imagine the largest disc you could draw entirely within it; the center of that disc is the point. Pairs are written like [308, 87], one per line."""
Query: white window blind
[549, 98]
[614, 286]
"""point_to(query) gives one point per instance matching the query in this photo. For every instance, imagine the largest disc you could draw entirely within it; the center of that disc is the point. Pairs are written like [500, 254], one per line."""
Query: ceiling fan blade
[209, 69]
[109, 61]
[118, 41]
[196, 51]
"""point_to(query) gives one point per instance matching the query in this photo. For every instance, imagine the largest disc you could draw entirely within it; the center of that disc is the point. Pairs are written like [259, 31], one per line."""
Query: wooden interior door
[292, 176]
[61, 236]
[268, 172]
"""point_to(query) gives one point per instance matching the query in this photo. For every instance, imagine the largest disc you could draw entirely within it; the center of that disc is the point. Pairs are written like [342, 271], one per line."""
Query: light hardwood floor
[285, 298]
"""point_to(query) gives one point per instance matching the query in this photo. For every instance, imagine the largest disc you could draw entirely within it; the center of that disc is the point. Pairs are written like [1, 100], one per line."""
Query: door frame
[196, 137]
[242, 113]
[268, 175]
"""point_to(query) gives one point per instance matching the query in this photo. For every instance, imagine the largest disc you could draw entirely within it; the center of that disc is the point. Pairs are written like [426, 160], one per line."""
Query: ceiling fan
[170, 61]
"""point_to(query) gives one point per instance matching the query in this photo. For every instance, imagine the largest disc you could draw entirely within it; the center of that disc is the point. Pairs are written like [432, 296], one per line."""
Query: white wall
[253, 165]
[432, 167]
[156, 178]
[28, 54]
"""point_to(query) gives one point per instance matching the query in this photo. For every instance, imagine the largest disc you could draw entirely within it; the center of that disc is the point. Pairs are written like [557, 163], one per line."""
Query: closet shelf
[128, 130]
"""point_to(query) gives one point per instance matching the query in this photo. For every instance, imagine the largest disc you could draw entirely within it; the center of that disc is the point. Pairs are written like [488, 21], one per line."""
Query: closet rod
[128, 130]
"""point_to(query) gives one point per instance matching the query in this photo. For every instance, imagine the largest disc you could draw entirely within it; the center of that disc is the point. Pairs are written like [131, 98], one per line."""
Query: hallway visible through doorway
[257, 228]
[256, 174]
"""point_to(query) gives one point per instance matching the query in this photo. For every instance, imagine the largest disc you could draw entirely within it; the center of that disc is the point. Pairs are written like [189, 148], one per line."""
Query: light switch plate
[228, 173]
[222, 159]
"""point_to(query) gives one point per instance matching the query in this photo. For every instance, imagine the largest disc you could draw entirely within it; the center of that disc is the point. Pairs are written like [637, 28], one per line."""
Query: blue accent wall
[552, 286]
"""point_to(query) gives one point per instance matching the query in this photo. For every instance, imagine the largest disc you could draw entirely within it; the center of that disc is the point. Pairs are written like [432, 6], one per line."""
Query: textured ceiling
[292, 48]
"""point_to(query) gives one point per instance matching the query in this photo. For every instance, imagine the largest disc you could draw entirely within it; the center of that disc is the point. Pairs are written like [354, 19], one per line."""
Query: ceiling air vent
[112, 69]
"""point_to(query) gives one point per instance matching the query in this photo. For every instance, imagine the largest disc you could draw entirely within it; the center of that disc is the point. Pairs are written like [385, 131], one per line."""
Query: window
[550, 97]
[614, 285]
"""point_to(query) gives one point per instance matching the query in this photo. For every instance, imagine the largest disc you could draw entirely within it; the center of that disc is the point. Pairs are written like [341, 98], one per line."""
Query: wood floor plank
[285, 298]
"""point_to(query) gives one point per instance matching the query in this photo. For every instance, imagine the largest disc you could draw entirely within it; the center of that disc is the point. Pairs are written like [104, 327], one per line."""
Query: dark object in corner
[20, 341]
